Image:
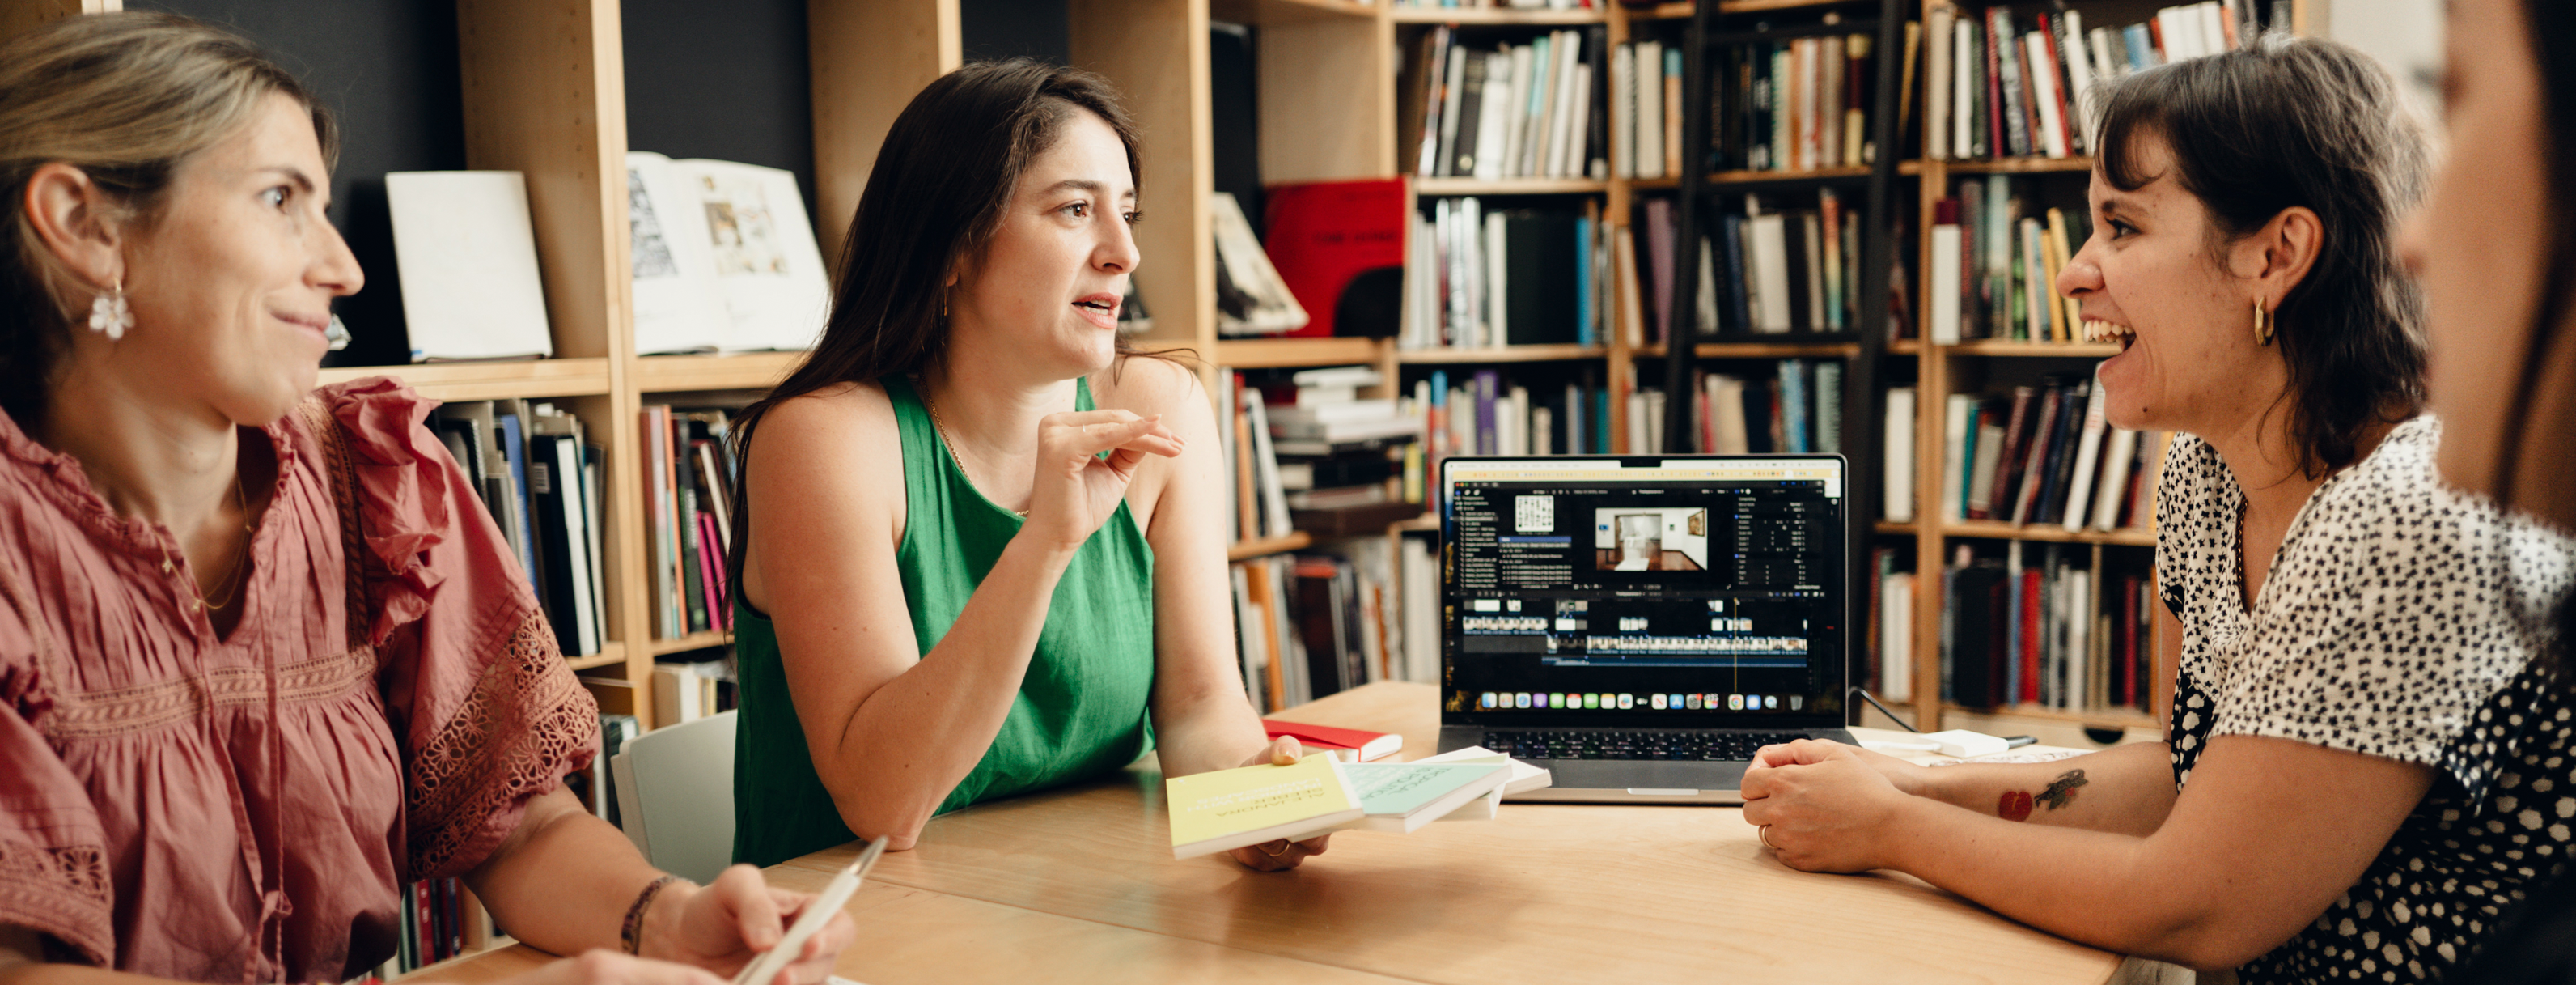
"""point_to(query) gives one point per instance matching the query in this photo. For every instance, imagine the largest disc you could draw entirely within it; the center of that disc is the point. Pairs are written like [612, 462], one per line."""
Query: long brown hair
[942, 182]
[126, 98]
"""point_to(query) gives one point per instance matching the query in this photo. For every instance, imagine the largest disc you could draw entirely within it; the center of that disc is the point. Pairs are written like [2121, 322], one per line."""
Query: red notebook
[1324, 235]
[1367, 745]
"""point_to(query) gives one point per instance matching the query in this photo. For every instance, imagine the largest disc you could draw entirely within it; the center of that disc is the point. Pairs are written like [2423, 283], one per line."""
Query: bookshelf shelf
[489, 380]
[1245, 550]
[1291, 353]
[2125, 718]
[1280, 12]
[1790, 177]
[1506, 354]
[2012, 347]
[1776, 350]
[1905, 347]
[1509, 186]
[2000, 530]
[1425, 522]
[1489, 15]
[745, 371]
[693, 641]
[609, 655]
[2021, 165]
[1892, 527]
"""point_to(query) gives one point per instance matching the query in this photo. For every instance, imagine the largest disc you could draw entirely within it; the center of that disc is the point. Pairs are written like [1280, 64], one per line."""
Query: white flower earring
[108, 312]
[337, 334]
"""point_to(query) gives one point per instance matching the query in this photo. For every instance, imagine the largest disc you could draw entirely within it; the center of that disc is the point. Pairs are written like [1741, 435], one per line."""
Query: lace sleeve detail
[526, 724]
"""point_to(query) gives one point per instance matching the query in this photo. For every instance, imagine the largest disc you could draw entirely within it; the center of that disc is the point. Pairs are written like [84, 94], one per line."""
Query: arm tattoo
[2015, 805]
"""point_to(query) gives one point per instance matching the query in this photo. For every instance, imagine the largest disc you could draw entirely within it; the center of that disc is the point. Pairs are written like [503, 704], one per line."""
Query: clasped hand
[1077, 488]
[706, 935]
[1830, 807]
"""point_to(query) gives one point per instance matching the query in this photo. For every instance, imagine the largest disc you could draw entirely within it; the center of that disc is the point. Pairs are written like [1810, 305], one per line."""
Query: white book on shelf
[2213, 27]
[1981, 468]
[468, 259]
[1273, 309]
[1936, 81]
[2088, 448]
[1650, 109]
[1767, 253]
[1542, 431]
[1654, 423]
[2107, 65]
[1636, 437]
[1567, 109]
[1897, 497]
[1451, 93]
[1623, 109]
[2052, 122]
[1497, 287]
[2117, 459]
[767, 263]
[1579, 139]
[1265, 468]
[1896, 638]
[1727, 432]
[679, 306]
[2080, 75]
[1946, 287]
[1516, 119]
[1815, 246]
[1827, 119]
[1954, 446]
[1963, 90]
[2179, 28]
[1493, 130]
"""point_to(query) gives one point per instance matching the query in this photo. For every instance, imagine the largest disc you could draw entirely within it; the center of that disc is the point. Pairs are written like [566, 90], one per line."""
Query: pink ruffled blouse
[244, 808]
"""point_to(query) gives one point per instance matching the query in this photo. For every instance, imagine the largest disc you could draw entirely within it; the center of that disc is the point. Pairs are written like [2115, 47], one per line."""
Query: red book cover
[2127, 682]
[424, 935]
[711, 563]
[1371, 745]
[1999, 145]
[2049, 28]
[2029, 635]
[1324, 235]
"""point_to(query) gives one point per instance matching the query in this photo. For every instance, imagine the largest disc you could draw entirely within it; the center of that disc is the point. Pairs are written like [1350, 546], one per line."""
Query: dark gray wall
[998, 29]
[721, 80]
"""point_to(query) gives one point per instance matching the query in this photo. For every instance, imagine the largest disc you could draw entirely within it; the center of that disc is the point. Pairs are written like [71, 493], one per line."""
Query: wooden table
[1079, 885]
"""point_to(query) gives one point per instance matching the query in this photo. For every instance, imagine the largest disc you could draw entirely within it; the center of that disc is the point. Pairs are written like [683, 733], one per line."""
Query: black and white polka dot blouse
[2399, 619]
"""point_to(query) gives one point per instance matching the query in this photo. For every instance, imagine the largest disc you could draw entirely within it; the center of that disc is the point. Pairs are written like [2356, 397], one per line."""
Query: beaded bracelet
[631, 933]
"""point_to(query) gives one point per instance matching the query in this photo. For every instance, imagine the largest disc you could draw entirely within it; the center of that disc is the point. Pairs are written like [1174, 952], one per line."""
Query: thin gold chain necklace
[936, 424]
[240, 574]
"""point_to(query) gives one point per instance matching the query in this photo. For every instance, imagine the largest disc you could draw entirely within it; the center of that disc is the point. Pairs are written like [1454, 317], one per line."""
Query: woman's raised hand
[1077, 488]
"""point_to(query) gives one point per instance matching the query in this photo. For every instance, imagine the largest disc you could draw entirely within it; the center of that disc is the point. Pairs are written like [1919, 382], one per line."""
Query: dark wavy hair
[2288, 122]
[941, 184]
[126, 98]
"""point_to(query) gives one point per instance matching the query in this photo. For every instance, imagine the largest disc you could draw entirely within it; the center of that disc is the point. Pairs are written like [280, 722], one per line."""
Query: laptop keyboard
[1618, 744]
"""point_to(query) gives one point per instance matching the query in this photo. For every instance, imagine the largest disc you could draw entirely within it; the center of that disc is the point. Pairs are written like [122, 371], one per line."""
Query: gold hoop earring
[2262, 324]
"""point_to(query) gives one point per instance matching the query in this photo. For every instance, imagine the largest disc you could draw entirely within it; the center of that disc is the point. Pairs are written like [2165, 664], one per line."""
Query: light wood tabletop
[1079, 885]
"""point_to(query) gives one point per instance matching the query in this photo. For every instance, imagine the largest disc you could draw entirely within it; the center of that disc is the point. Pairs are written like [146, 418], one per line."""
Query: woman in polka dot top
[2365, 767]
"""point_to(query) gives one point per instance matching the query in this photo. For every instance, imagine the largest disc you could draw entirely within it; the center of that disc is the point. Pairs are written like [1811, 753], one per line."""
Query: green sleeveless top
[1081, 709]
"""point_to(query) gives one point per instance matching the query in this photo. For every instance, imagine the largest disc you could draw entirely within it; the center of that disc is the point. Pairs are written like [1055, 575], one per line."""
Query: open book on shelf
[723, 257]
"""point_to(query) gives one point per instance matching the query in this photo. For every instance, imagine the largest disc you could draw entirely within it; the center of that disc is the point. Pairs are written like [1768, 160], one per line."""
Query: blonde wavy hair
[127, 98]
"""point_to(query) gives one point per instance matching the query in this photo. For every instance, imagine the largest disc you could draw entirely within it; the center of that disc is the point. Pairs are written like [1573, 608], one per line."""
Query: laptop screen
[1643, 591]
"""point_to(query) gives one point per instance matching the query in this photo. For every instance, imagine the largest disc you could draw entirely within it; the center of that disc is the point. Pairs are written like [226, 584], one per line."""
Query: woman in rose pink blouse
[263, 657]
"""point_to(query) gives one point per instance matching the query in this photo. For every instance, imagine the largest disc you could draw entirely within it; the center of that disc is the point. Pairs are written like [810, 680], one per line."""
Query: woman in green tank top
[981, 544]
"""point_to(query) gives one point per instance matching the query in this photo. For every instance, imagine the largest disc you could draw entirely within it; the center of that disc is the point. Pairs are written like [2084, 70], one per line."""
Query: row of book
[440, 919]
[1313, 625]
[1514, 111]
[1802, 104]
[1501, 4]
[1796, 409]
[1994, 89]
[1646, 93]
[688, 497]
[2045, 455]
[1483, 413]
[1485, 278]
[538, 474]
[1773, 268]
[2003, 251]
[2069, 629]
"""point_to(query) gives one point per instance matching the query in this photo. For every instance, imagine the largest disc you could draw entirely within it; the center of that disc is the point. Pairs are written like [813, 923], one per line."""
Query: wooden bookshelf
[2000, 530]
[747, 371]
[704, 640]
[1505, 354]
[1509, 186]
[531, 378]
[1297, 353]
[2022, 348]
[1495, 15]
[2022, 165]
[1245, 550]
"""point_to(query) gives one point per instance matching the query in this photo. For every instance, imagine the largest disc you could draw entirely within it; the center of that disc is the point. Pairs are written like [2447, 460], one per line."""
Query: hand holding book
[1282, 854]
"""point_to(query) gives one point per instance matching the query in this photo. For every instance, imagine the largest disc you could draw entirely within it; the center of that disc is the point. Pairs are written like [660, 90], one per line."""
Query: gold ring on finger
[1265, 848]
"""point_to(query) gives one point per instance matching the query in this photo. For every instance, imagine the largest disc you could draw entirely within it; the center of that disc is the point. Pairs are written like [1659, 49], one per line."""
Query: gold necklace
[941, 426]
[240, 574]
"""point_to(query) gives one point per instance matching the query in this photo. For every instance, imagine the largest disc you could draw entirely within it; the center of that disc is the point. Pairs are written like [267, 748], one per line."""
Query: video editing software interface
[1644, 588]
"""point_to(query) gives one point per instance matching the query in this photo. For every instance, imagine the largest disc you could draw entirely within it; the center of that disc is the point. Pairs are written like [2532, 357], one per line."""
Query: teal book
[1402, 797]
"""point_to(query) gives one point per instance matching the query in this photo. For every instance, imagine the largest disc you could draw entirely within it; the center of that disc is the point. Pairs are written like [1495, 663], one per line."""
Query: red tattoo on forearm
[2015, 805]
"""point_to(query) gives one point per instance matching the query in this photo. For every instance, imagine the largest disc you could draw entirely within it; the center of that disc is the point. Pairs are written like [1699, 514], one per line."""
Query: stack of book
[1515, 111]
[1226, 809]
[2061, 633]
[688, 498]
[2045, 455]
[687, 688]
[1487, 414]
[539, 476]
[1313, 455]
[1796, 105]
[2003, 250]
[1318, 624]
[1995, 87]
[1505, 277]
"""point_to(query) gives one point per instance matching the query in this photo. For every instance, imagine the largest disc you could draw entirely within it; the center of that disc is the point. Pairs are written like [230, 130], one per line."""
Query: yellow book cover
[1216, 811]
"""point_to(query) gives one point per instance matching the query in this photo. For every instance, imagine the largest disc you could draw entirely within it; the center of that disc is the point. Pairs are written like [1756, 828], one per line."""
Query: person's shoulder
[826, 416]
[1146, 385]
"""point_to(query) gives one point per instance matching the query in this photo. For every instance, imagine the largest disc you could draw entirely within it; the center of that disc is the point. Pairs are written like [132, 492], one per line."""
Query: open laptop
[1640, 624]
